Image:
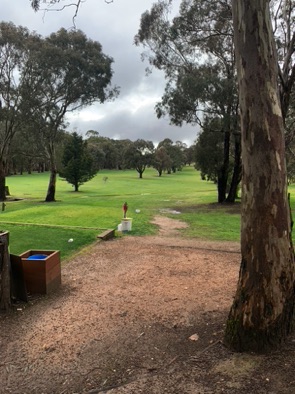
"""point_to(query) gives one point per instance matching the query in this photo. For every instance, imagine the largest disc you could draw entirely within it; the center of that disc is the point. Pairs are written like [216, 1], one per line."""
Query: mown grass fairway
[34, 224]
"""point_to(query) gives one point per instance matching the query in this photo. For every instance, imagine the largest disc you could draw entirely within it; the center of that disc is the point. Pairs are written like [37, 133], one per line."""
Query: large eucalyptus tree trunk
[50, 196]
[263, 309]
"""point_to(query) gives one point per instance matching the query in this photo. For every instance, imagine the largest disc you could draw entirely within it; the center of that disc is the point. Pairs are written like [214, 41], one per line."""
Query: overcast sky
[114, 25]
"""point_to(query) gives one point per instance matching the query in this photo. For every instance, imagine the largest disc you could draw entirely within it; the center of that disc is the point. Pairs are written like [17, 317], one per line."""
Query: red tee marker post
[125, 209]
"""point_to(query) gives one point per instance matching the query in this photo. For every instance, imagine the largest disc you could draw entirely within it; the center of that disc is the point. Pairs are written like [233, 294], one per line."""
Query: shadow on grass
[233, 209]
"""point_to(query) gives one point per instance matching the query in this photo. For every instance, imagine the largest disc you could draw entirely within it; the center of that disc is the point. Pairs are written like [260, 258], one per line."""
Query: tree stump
[5, 299]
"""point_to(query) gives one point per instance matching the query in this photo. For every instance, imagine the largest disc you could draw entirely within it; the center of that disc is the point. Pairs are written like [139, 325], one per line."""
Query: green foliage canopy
[77, 162]
[139, 155]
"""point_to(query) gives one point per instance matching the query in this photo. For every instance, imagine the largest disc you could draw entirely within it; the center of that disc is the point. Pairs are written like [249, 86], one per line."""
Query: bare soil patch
[138, 315]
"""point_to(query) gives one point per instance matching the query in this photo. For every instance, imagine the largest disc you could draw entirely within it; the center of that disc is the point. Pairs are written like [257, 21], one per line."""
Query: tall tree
[139, 155]
[262, 313]
[68, 72]
[196, 52]
[175, 152]
[162, 160]
[209, 150]
[13, 55]
[77, 164]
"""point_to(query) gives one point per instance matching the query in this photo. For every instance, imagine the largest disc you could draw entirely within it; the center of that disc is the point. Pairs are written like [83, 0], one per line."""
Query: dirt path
[138, 315]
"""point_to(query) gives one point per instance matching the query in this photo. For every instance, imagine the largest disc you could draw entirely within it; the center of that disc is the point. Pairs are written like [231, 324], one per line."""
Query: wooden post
[5, 299]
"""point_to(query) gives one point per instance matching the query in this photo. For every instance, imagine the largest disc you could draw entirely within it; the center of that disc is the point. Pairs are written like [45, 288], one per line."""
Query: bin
[126, 224]
[42, 270]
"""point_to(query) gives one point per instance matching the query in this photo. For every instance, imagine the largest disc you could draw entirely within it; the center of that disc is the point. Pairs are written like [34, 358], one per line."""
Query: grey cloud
[141, 124]
[114, 25]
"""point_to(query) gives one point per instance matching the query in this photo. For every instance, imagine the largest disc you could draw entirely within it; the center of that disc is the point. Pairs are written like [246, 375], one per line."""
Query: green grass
[34, 224]
[24, 237]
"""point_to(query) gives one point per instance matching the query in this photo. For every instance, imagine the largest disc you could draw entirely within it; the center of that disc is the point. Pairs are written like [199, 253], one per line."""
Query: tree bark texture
[50, 197]
[263, 309]
[2, 181]
[5, 298]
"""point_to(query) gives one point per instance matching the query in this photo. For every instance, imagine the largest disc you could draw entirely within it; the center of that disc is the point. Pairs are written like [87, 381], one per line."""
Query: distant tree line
[78, 159]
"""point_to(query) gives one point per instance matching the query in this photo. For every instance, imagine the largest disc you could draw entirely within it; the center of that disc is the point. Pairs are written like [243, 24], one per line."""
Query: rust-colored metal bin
[42, 270]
